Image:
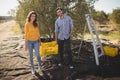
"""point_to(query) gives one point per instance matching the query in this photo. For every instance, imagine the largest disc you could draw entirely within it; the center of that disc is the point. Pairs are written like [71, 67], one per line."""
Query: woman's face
[32, 18]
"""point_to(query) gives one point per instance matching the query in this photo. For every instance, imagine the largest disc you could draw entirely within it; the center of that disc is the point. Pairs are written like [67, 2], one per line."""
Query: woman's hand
[39, 41]
[26, 48]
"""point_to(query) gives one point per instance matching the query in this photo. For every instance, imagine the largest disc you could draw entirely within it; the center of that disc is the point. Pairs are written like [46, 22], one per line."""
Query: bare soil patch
[14, 63]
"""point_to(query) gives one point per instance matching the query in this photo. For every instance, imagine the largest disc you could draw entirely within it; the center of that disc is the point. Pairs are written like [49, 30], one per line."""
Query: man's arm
[71, 31]
[71, 27]
[56, 31]
[56, 36]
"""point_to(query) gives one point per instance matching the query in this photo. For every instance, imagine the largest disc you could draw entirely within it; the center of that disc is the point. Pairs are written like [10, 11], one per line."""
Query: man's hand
[56, 37]
[56, 42]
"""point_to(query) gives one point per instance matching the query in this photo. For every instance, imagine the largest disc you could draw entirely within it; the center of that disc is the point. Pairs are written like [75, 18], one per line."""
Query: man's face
[59, 12]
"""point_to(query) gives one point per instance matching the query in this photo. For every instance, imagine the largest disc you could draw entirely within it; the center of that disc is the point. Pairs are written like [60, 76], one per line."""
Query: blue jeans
[34, 45]
[68, 50]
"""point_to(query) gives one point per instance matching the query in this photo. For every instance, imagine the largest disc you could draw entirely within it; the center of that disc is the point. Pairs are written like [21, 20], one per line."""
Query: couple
[63, 31]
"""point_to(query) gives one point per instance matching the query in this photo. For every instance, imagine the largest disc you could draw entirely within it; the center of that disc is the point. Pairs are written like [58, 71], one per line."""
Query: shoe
[40, 71]
[40, 68]
[33, 72]
[59, 64]
[71, 67]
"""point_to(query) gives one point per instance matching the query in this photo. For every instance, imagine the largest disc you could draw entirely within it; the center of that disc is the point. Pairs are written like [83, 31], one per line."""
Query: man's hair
[59, 8]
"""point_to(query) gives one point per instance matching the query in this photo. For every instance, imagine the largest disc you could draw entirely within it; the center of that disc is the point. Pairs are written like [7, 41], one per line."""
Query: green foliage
[12, 12]
[118, 29]
[47, 15]
[101, 17]
[115, 16]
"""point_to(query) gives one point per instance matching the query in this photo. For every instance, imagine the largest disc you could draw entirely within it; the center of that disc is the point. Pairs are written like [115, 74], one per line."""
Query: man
[63, 31]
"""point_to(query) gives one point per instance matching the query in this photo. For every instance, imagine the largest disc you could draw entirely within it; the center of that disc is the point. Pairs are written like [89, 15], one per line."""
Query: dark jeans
[68, 50]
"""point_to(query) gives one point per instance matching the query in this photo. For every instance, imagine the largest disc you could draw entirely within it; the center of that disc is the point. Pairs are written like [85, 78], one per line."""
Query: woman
[32, 38]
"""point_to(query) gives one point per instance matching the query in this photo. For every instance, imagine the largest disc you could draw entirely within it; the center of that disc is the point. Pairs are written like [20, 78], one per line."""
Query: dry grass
[115, 35]
[16, 29]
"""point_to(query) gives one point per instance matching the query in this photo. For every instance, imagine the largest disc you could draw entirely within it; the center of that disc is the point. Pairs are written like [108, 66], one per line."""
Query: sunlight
[7, 5]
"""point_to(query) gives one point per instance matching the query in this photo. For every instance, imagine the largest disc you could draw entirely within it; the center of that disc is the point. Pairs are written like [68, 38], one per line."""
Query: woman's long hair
[29, 16]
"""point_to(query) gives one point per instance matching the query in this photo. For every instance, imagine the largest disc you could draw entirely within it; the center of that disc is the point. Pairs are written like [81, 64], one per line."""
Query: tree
[47, 16]
[12, 12]
[115, 16]
[101, 17]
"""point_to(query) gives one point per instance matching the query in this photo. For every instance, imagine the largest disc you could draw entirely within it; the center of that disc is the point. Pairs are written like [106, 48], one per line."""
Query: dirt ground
[14, 61]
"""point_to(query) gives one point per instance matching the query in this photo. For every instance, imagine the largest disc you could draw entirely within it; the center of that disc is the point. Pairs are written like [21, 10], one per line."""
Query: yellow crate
[110, 51]
[48, 48]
